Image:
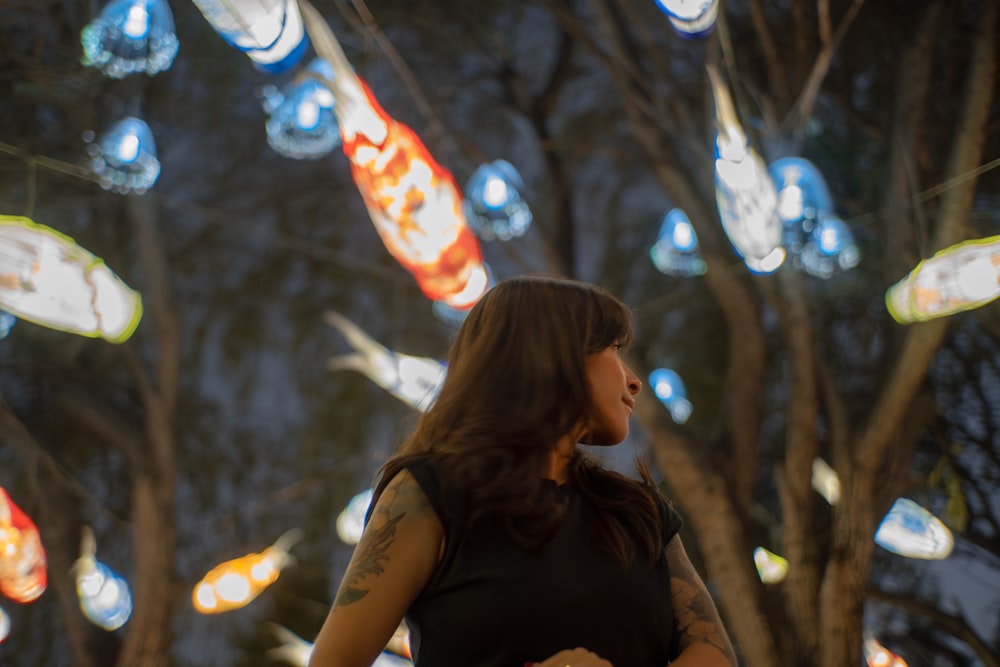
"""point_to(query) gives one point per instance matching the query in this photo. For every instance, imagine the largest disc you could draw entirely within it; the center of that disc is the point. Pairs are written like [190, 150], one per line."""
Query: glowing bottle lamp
[669, 388]
[301, 121]
[7, 322]
[351, 520]
[825, 481]
[23, 576]
[829, 248]
[414, 380]
[820, 241]
[4, 625]
[744, 191]
[413, 201]
[877, 655]
[911, 531]
[238, 582]
[270, 32]
[46, 278]
[690, 18]
[958, 278]
[676, 249]
[771, 568]
[294, 650]
[124, 158]
[494, 203]
[104, 596]
[130, 36]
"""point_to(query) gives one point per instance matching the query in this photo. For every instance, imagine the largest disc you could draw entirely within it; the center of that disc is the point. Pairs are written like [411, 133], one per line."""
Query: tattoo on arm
[695, 615]
[402, 495]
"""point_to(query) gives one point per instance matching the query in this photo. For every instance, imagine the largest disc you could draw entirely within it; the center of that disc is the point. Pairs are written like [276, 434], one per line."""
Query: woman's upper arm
[394, 559]
[703, 639]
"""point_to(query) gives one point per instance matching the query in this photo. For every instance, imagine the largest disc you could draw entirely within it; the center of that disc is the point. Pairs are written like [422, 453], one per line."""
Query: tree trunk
[150, 634]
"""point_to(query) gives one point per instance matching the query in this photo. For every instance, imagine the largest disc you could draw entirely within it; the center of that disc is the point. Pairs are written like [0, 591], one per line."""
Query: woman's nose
[633, 381]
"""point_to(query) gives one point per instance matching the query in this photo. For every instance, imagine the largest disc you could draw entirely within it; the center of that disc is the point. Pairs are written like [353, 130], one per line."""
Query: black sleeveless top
[491, 603]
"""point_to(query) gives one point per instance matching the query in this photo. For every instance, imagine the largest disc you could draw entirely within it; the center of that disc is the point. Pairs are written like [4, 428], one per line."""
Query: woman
[496, 538]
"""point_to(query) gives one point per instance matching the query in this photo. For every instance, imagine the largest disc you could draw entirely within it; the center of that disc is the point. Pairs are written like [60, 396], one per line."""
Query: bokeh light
[301, 122]
[494, 202]
[129, 37]
[124, 158]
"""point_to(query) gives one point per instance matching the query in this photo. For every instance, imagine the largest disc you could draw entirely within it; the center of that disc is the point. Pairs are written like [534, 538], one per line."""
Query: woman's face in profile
[612, 386]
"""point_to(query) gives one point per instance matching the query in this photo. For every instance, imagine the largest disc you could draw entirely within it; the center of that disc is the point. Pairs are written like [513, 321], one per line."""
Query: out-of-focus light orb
[802, 190]
[293, 650]
[830, 248]
[744, 191]
[124, 158]
[911, 531]
[877, 655]
[494, 202]
[4, 625]
[676, 249]
[825, 481]
[23, 564]
[104, 596]
[270, 32]
[237, 582]
[351, 520]
[131, 36]
[669, 388]
[959, 278]
[771, 568]
[301, 121]
[414, 380]
[7, 322]
[690, 18]
[46, 278]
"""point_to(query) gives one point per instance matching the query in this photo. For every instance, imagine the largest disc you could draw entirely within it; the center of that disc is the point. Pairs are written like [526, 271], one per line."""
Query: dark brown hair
[516, 384]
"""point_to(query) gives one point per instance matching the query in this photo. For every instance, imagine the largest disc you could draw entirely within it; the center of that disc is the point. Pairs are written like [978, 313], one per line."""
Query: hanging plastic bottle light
[911, 531]
[351, 520]
[825, 481]
[124, 158]
[414, 380]
[829, 248]
[877, 655]
[129, 37]
[690, 18]
[301, 122]
[744, 191]
[294, 650]
[4, 625]
[23, 576]
[958, 278]
[669, 388]
[494, 202]
[270, 32]
[237, 582]
[104, 596]
[413, 201]
[676, 249]
[46, 278]
[7, 322]
[771, 568]
[819, 241]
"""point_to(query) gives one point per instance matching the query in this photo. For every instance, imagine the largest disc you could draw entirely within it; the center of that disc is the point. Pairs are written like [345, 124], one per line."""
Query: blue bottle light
[301, 123]
[494, 203]
[124, 158]
[676, 249]
[669, 388]
[129, 37]
[691, 19]
[270, 32]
